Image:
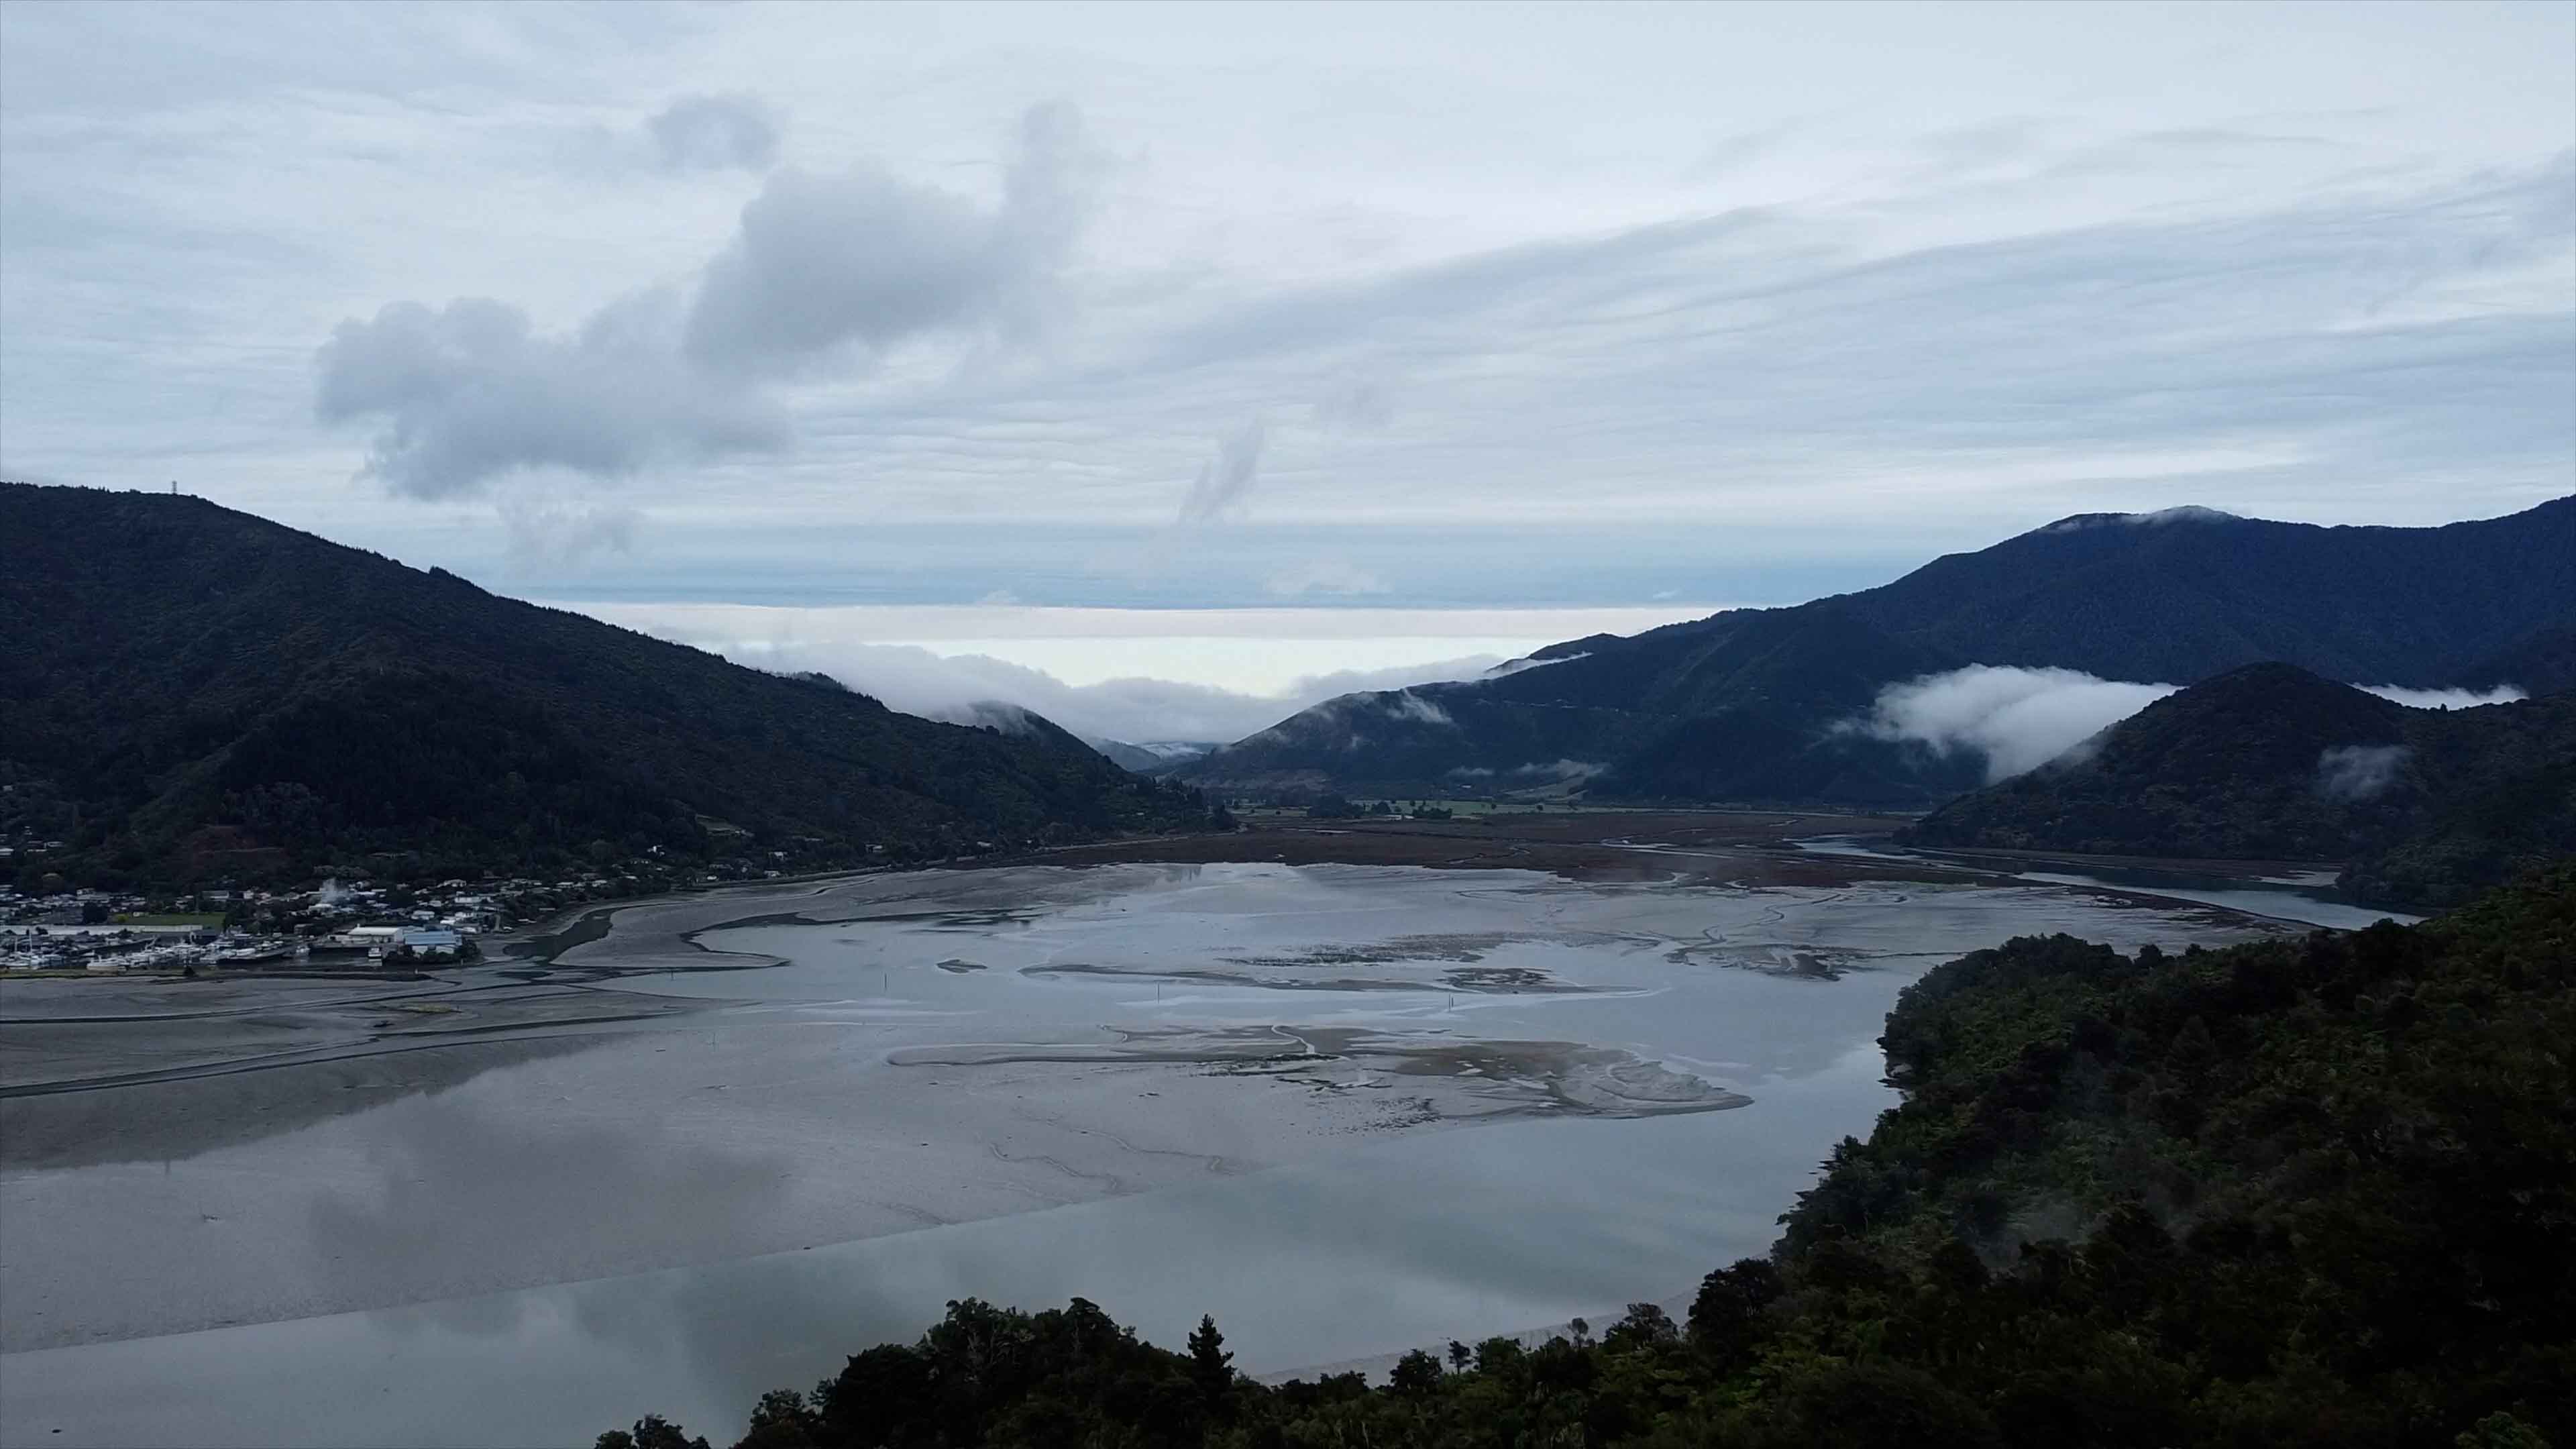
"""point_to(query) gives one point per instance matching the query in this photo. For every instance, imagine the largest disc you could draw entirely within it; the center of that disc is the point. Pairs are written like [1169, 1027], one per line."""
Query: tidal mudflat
[1348, 1109]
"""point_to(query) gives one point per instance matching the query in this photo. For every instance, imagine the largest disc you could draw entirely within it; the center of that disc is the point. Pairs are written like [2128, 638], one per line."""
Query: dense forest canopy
[2271, 762]
[197, 693]
[2313, 1191]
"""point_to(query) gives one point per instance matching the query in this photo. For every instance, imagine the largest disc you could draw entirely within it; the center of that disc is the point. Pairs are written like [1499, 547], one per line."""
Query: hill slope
[1728, 707]
[198, 692]
[2186, 594]
[1741, 705]
[2271, 762]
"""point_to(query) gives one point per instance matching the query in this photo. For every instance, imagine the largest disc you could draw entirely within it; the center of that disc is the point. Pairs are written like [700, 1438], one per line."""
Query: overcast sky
[1400, 308]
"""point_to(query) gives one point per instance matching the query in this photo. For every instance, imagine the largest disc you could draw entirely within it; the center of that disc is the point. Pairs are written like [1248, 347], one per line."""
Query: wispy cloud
[714, 133]
[1225, 481]
[2359, 772]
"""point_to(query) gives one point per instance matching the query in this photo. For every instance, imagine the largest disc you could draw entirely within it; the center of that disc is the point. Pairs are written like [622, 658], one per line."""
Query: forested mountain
[2270, 762]
[194, 692]
[1742, 705]
[2305, 1192]
[2182, 595]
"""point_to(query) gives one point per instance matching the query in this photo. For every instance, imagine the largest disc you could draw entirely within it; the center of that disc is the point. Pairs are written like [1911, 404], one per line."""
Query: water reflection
[446, 1169]
[1391, 1246]
[866, 1088]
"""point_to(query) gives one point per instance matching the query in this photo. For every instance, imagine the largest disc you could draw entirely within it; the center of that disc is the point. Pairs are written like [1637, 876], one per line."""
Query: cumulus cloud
[1225, 480]
[820, 268]
[2358, 772]
[714, 133]
[2445, 698]
[2017, 718]
[864, 259]
[470, 391]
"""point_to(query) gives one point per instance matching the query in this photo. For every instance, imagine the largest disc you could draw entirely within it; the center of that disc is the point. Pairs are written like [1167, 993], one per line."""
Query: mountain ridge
[200, 691]
[1741, 706]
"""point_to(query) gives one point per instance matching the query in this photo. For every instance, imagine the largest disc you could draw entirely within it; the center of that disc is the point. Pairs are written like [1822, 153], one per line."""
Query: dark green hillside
[2541, 662]
[1743, 705]
[2184, 595]
[1728, 707]
[2272, 763]
[196, 692]
[2306, 1192]
[2225, 769]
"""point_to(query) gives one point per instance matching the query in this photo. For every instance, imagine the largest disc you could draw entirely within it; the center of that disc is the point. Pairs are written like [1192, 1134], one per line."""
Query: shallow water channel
[1348, 1110]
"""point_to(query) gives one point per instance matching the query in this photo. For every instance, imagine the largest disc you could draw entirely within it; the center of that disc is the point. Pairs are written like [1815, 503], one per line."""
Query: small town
[333, 926]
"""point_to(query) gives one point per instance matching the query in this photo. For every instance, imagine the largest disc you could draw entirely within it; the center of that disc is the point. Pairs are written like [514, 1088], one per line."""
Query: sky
[1240, 347]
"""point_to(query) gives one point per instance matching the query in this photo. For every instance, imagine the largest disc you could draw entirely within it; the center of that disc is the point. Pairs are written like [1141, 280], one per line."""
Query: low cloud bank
[2019, 719]
[2444, 698]
[963, 688]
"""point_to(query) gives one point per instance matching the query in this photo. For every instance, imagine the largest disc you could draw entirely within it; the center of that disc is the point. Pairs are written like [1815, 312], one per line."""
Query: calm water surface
[1511, 1126]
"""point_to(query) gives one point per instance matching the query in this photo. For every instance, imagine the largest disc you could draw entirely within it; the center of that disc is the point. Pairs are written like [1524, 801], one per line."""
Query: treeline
[2301, 1192]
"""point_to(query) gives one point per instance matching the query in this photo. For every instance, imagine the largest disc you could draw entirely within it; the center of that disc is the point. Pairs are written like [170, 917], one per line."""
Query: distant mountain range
[1752, 705]
[193, 692]
[1150, 757]
[2272, 762]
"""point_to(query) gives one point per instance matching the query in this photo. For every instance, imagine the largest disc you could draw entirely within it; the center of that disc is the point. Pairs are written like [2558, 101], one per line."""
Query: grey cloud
[863, 258]
[2358, 772]
[714, 133]
[1226, 479]
[548, 533]
[1354, 405]
[2308, 350]
[468, 392]
[1985, 144]
[1732, 153]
